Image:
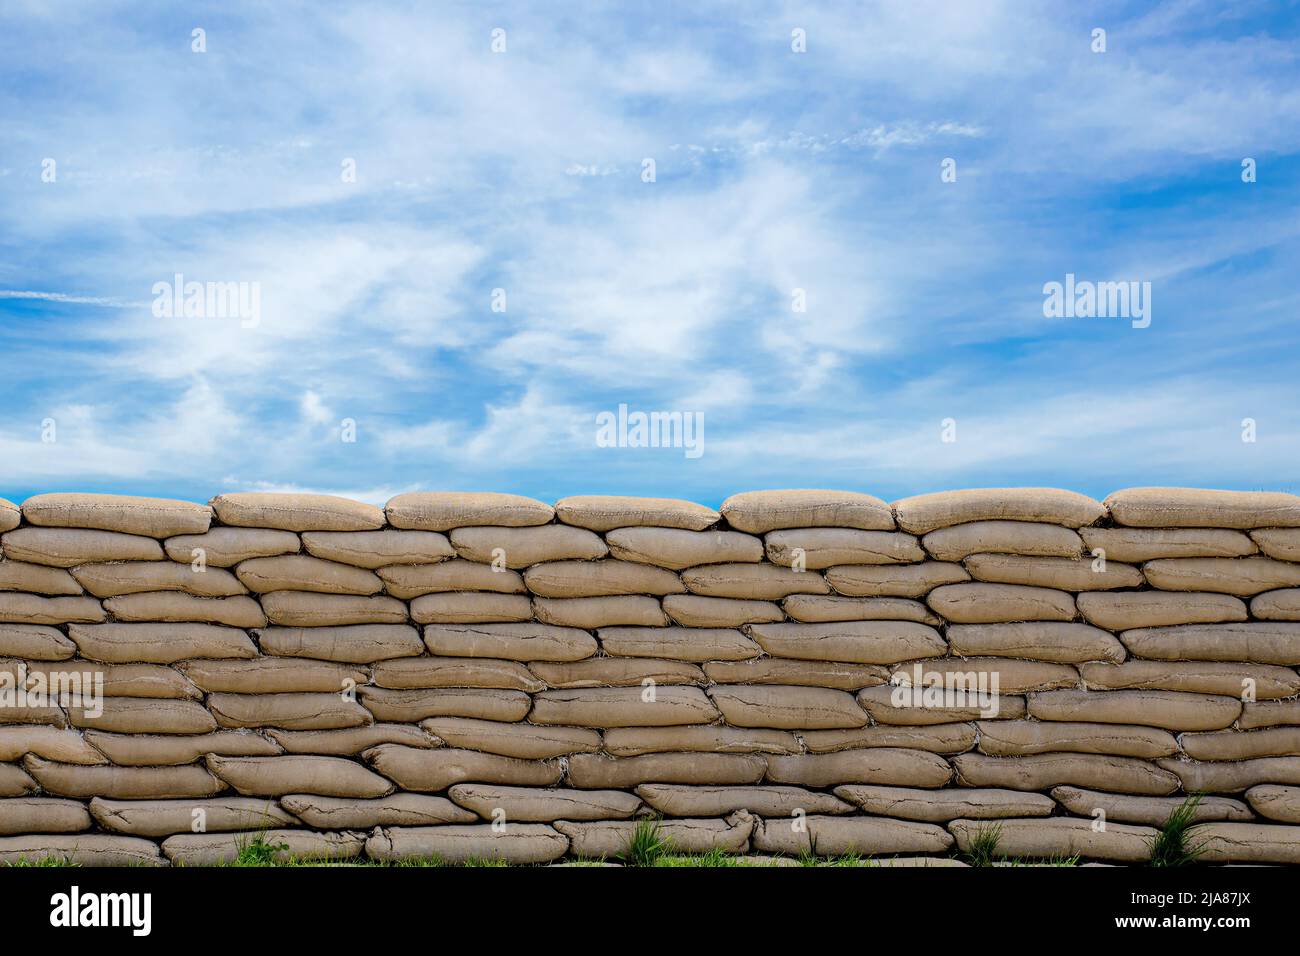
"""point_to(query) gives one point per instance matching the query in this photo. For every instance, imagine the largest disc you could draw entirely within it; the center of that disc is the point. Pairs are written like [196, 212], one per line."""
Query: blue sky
[522, 170]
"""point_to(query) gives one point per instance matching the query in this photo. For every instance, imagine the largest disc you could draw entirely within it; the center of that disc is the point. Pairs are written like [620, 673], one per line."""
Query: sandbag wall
[485, 675]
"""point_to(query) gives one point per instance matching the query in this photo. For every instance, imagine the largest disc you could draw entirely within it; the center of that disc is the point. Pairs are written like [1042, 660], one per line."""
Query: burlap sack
[397, 810]
[623, 707]
[216, 849]
[514, 642]
[1200, 508]
[14, 781]
[690, 610]
[356, 644]
[835, 836]
[119, 680]
[936, 738]
[182, 608]
[819, 548]
[925, 513]
[1152, 811]
[1283, 605]
[1053, 641]
[770, 670]
[752, 582]
[445, 510]
[617, 672]
[1066, 574]
[276, 776]
[305, 609]
[35, 642]
[124, 783]
[607, 512]
[1061, 836]
[471, 607]
[140, 750]
[786, 708]
[140, 715]
[1280, 543]
[1232, 776]
[531, 805]
[1003, 537]
[593, 612]
[455, 672]
[706, 738]
[159, 643]
[1133, 609]
[52, 743]
[1245, 843]
[1259, 642]
[42, 815]
[1171, 710]
[80, 849]
[677, 550]
[761, 511]
[1147, 544]
[609, 576]
[997, 603]
[678, 643]
[1011, 676]
[1270, 713]
[412, 581]
[134, 577]
[1019, 738]
[272, 675]
[883, 765]
[296, 512]
[819, 608]
[68, 547]
[526, 741]
[163, 818]
[37, 579]
[613, 838]
[411, 705]
[29, 714]
[854, 642]
[520, 547]
[18, 608]
[10, 515]
[888, 704]
[518, 844]
[596, 770]
[1241, 576]
[376, 549]
[765, 801]
[226, 547]
[902, 580]
[301, 572]
[431, 771]
[941, 806]
[1231, 680]
[1235, 745]
[288, 711]
[351, 741]
[1269, 801]
[152, 517]
[1044, 771]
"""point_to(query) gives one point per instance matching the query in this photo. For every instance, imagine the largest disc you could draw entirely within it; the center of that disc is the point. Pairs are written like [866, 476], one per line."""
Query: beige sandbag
[216, 849]
[770, 670]
[594, 612]
[1232, 776]
[617, 672]
[296, 512]
[35, 642]
[1239, 745]
[837, 836]
[609, 576]
[276, 776]
[185, 608]
[922, 514]
[37, 579]
[18, 608]
[1002, 537]
[854, 642]
[613, 838]
[998, 674]
[677, 549]
[892, 704]
[1043, 771]
[1241, 576]
[412, 581]
[901, 580]
[1132, 609]
[514, 642]
[354, 644]
[1259, 642]
[455, 672]
[226, 547]
[1203, 508]
[125, 783]
[133, 577]
[21, 815]
[80, 849]
[516, 844]
[10, 515]
[607, 512]
[764, 800]
[531, 805]
[761, 511]
[1281, 605]
[1269, 713]
[1066, 574]
[141, 750]
[525, 741]
[590, 771]
[308, 711]
[941, 806]
[786, 708]
[471, 607]
[520, 547]
[1061, 836]
[757, 582]
[163, 818]
[14, 781]
[1171, 710]
[272, 676]
[706, 738]
[1147, 544]
[68, 547]
[936, 738]
[307, 609]
[884, 765]
[431, 771]
[1018, 738]
[119, 680]
[1245, 843]
[301, 572]
[52, 743]
[141, 715]
[1280, 543]
[623, 707]
[410, 705]
[996, 603]
[1152, 811]
[446, 510]
[31, 714]
[152, 517]
[376, 549]
[396, 810]
[1232, 680]
[1059, 642]
[1269, 801]
[691, 610]
[350, 741]
[678, 643]
[819, 608]
[819, 548]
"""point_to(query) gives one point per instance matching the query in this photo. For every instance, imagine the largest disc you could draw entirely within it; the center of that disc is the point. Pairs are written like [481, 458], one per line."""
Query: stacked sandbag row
[478, 675]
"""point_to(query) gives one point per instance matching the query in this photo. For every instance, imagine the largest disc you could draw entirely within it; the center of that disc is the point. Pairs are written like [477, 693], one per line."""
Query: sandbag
[520, 547]
[415, 580]
[216, 849]
[296, 512]
[1059, 642]
[1240, 576]
[68, 547]
[152, 517]
[593, 771]
[607, 512]
[922, 514]
[613, 838]
[10, 515]
[349, 741]
[1043, 771]
[307, 609]
[1171, 710]
[609, 576]
[901, 580]
[1147, 544]
[1238, 745]
[675, 800]
[301, 572]
[1203, 508]
[836, 836]
[125, 783]
[397, 810]
[700, 738]
[517, 844]
[941, 806]
[1003, 537]
[350, 644]
[1066, 574]
[1019, 738]
[163, 818]
[1258, 642]
[142, 715]
[819, 608]
[514, 642]
[307, 711]
[1245, 843]
[525, 741]
[594, 612]
[471, 607]
[676, 549]
[226, 547]
[52, 743]
[276, 776]
[690, 610]
[1280, 543]
[1270, 713]
[1152, 811]
[761, 511]
[752, 582]
[37, 579]
[617, 672]
[882, 765]
[996, 603]
[890, 704]
[997, 674]
[377, 549]
[119, 680]
[409, 706]
[1062, 836]
[623, 707]
[769, 670]
[678, 643]
[854, 642]
[1232, 776]
[159, 643]
[944, 739]
[1269, 801]
[1133, 609]
[819, 548]
[455, 672]
[1198, 677]
[432, 771]
[21, 815]
[786, 708]
[15, 782]
[272, 675]
[142, 750]
[35, 642]
[80, 849]
[1281, 605]
[181, 608]
[18, 608]
[134, 577]
[532, 805]
[445, 510]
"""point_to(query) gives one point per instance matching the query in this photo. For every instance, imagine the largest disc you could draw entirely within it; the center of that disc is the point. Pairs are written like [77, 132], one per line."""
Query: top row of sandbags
[756, 512]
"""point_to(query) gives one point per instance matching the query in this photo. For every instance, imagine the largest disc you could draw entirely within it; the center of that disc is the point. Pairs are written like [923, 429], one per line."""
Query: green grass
[1170, 847]
[647, 845]
[984, 845]
[51, 860]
